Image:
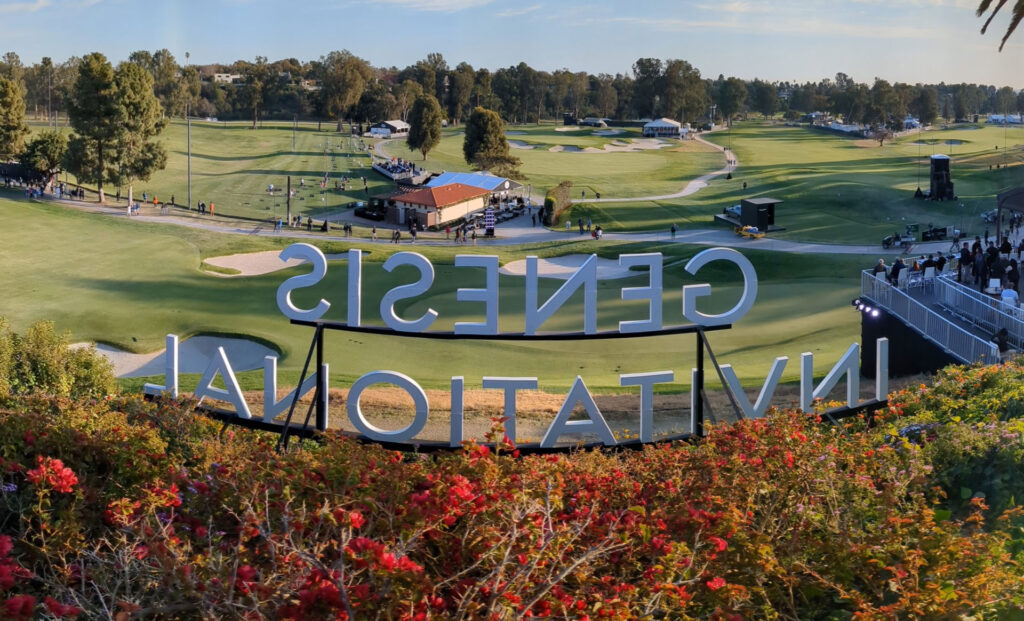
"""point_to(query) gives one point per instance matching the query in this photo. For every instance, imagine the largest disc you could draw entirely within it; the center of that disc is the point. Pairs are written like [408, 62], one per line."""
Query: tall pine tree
[138, 157]
[12, 120]
[424, 124]
[115, 116]
[96, 116]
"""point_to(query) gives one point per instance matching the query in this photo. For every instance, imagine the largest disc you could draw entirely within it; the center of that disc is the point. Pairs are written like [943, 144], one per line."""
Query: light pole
[188, 139]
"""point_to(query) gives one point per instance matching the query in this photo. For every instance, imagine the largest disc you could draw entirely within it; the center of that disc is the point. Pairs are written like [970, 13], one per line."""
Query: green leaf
[965, 493]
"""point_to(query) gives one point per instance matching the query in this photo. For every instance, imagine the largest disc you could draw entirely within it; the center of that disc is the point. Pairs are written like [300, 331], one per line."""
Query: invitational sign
[536, 313]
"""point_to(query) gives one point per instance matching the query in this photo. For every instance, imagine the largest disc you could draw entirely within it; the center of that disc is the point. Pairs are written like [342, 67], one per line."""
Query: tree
[605, 97]
[462, 84]
[257, 85]
[731, 95]
[485, 145]
[406, 95]
[376, 103]
[647, 78]
[12, 69]
[764, 98]
[12, 120]
[344, 76]
[424, 124]
[684, 94]
[96, 117]
[926, 105]
[138, 157]
[45, 152]
[1016, 16]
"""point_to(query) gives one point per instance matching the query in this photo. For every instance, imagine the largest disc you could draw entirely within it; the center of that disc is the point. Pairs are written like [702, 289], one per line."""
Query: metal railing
[960, 343]
[980, 309]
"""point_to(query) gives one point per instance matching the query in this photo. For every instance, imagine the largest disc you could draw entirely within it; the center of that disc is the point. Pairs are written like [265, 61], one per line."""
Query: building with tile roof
[434, 206]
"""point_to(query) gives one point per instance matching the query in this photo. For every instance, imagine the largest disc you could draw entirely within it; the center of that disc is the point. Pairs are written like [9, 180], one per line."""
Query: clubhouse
[434, 206]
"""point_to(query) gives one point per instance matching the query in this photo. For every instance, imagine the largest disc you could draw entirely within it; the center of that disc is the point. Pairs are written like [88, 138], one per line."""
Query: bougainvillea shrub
[118, 507]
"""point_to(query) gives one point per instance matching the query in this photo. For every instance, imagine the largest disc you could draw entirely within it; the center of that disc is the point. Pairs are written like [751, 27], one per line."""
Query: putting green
[129, 283]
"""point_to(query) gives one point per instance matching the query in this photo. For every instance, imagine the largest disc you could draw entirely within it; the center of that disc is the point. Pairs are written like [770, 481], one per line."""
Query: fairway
[834, 188]
[642, 172]
[233, 165]
[846, 190]
[107, 278]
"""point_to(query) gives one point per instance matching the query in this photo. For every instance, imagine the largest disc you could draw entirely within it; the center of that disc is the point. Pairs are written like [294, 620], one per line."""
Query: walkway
[513, 232]
[691, 188]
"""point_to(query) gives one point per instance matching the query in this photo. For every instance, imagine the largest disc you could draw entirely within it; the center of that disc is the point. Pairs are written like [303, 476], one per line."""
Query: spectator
[894, 273]
[879, 268]
[1002, 340]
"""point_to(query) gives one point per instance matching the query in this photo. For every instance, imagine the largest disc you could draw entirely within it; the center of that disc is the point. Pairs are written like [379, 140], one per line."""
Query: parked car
[733, 210]
[934, 233]
[990, 215]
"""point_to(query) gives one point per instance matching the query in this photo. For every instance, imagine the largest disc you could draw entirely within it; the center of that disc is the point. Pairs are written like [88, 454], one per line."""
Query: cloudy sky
[899, 40]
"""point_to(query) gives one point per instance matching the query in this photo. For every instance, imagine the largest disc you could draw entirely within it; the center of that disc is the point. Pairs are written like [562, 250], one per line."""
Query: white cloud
[23, 7]
[447, 6]
[517, 12]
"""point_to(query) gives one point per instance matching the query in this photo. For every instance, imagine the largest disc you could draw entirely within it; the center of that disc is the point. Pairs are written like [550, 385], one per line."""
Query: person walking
[673, 229]
[373, 233]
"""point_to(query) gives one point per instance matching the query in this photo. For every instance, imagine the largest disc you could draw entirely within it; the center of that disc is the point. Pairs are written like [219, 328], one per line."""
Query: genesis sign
[536, 312]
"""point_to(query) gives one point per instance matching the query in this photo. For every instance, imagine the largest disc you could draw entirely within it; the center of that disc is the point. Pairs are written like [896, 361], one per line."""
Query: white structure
[663, 128]
[227, 78]
[390, 129]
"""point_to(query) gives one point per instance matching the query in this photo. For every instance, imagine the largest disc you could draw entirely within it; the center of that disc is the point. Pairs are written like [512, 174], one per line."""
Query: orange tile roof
[442, 196]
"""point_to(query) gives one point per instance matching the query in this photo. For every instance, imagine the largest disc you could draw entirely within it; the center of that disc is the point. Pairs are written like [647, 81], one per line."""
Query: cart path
[519, 230]
[692, 187]
[698, 184]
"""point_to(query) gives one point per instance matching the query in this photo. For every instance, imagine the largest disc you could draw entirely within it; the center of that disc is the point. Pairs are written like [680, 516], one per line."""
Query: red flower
[789, 459]
[247, 573]
[58, 609]
[20, 607]
[5, 545]
[719, 543]
[716, 583]
[54, 474]
[356, 519]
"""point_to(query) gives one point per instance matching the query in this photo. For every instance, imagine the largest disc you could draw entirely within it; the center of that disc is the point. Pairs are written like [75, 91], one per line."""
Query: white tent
[663, 128]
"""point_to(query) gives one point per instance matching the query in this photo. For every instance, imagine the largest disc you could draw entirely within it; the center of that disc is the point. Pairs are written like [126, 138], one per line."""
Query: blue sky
[899, 40]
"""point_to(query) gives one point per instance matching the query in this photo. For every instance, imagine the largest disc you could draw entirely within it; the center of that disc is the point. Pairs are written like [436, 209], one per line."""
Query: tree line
[343, 86]
[116, 112]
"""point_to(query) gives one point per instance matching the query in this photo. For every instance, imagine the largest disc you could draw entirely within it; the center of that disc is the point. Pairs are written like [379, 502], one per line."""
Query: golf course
[128, 282]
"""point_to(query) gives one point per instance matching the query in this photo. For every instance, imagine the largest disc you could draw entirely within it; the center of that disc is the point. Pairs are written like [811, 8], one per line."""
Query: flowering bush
[124, 507]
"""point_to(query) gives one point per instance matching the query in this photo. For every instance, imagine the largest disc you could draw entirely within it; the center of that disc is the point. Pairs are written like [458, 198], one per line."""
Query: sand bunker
[570, 128]
[257, 263]
[253, 263]
[564, 267]
[193, 356]
[609, 132]
[519, 144]
[615, 146]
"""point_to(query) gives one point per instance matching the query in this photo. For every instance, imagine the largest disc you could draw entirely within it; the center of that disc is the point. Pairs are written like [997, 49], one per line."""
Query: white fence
[980, 309]
[960, 343]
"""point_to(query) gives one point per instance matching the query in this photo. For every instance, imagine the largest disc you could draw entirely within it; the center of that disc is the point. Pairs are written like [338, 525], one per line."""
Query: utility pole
[188, 138]
[288, 200]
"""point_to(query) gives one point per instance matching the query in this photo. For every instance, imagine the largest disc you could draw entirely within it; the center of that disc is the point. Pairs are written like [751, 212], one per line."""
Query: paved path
[513, 232]
[690, 188]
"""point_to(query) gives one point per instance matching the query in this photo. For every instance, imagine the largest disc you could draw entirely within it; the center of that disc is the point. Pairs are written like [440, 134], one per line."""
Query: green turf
[851, 190]
[233, 165]
[638, 173]
[129, 283]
